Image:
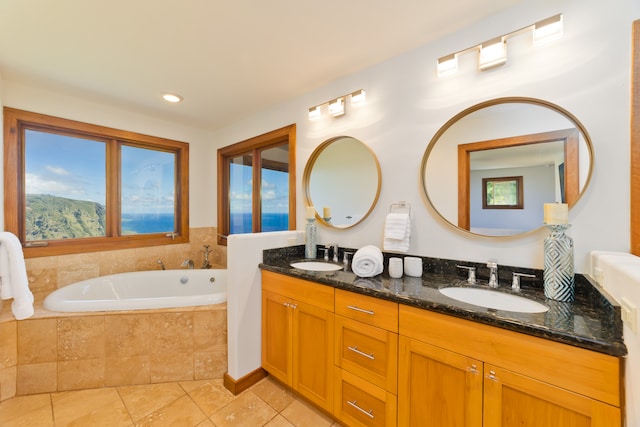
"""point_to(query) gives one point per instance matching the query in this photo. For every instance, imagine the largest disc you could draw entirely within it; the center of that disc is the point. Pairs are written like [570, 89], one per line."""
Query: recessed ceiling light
[171, 97]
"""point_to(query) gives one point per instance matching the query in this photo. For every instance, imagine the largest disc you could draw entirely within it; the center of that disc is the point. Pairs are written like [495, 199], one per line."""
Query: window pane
[275, 189]
[240, 194]
[148, 191]
[65, 184]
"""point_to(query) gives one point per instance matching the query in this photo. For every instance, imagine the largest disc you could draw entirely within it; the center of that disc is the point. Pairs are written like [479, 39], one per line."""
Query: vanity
[387, 352]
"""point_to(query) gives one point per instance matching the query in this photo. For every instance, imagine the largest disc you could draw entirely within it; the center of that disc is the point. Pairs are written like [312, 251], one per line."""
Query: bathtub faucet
[206, 251]
[159, 261]
[188, 263]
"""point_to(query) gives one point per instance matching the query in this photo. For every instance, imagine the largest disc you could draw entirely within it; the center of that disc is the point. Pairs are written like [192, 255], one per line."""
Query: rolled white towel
[367, 261]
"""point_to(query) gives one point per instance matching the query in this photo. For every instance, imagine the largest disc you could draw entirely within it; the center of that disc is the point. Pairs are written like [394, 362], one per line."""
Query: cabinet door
[515, 400]
[437, 387]
[313, 335]
[277, 327]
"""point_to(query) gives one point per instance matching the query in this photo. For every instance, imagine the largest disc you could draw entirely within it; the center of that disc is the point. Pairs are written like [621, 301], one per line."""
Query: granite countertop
[592, 321]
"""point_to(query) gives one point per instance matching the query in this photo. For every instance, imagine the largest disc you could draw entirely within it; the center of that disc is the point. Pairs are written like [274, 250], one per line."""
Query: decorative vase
[559, 282]
[310, 236]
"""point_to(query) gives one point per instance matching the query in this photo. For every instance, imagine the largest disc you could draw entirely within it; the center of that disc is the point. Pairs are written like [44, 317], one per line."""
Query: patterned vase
[558, 273]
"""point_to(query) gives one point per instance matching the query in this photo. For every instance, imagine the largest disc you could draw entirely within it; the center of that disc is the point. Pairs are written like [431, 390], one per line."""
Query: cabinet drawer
[366, 309]
[359, 403]
[367, 351]
[301, 290]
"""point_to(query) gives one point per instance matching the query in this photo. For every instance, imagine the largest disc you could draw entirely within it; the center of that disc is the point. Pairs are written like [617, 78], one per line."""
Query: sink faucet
[335, 253]
[493, 273]
[205, 263]
[188, 263]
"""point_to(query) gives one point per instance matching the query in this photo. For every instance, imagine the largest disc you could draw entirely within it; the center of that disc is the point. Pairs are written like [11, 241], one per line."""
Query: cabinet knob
[473, 369]
[492, 376]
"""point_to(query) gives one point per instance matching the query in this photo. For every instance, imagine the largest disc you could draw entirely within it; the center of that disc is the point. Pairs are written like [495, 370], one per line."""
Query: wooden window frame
[571, 138]
[519, 192]
[15, 123]
[284, 135]
[635, 141]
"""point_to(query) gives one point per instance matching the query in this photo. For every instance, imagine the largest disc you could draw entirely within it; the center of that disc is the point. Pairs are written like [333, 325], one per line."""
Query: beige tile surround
[53, 352]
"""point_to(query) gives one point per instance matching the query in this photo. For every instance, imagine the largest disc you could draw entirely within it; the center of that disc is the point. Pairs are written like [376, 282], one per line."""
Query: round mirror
[490, 169]
[342, 181]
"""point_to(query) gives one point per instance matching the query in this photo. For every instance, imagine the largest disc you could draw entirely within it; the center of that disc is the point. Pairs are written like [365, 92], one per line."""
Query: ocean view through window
[83, 187]
[256, 186]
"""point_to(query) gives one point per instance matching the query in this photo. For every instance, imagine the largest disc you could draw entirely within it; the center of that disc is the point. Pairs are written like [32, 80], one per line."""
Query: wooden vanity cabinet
[450, 366]
[298, 335]
[366, 358]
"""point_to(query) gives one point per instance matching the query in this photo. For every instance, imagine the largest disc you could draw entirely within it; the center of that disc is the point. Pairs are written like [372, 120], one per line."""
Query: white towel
[13, 276]
[367, 261]
[397, 232]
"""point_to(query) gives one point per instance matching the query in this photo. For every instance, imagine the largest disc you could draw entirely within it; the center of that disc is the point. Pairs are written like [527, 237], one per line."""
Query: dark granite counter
[592, 322]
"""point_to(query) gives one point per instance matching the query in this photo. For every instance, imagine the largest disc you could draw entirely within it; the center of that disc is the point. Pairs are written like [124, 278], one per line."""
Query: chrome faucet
[205, 263]
[493, 273]
[326, 251]
[188, 263]
[471, 275]
[515, 284]
[335, 253]
[159, 261]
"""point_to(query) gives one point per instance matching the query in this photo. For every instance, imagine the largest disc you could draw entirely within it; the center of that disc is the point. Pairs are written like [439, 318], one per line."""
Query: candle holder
[559, 281]
[327, 219]
[310, 238]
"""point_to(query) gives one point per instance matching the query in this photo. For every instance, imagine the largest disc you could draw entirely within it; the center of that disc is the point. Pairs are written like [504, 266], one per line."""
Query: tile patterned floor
[189, 404]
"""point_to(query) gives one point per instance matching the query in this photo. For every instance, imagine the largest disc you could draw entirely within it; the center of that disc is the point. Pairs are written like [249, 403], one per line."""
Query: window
[73, 187]
[502, 193]
[256, 184]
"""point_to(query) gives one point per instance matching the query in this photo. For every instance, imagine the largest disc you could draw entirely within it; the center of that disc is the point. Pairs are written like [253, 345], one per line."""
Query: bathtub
[141, 290]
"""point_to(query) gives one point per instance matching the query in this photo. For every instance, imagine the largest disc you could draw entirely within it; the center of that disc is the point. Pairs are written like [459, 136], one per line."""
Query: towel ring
[400, 207]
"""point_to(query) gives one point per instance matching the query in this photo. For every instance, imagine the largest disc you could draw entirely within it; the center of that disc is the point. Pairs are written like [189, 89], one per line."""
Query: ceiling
[229, 59]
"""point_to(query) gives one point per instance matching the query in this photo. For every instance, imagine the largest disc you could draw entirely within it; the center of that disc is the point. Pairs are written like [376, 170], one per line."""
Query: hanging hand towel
[397, 232]
[367, 261]
[13, 276]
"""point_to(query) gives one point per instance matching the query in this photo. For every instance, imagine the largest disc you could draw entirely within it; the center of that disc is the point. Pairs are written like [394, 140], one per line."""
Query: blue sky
[75, 168]
[275, 190]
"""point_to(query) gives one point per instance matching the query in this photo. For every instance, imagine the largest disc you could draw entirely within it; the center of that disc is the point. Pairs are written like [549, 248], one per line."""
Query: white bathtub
[141, 290]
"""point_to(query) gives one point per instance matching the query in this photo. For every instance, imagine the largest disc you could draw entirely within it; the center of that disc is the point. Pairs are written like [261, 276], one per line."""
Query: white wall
[586, 72]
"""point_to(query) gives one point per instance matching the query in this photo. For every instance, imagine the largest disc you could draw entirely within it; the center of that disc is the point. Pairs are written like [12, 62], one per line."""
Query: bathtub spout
[159, 261]
[188, 263]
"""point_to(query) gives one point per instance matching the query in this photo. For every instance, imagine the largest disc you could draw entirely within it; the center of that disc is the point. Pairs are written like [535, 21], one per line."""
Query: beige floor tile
[279, 421]
[206, 423]
[182, 412]
[272, 392]
[302, 414]
[211, 396]
[17, 407]
[142, 400]
[40, 417]
[70, 406]
[113, 414]
[246, 410]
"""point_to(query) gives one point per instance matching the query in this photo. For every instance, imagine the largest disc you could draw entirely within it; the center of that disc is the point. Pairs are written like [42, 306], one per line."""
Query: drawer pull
[361, 310]
[355, 405]
[362, 353]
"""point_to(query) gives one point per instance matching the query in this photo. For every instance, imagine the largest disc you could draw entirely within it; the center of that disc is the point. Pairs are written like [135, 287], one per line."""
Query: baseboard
[238, 386]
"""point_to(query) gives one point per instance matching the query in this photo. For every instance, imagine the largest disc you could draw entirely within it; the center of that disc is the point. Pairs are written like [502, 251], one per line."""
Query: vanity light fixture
[172, 97]
[336, 107]
[547, 30]
[493, 53]
[448, 65]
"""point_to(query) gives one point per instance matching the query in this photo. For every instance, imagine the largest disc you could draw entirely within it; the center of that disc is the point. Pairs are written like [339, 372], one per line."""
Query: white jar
[413, 266]
[395, 268]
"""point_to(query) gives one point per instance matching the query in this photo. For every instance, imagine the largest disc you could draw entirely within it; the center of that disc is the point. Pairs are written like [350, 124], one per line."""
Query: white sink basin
[316, 266]
[494, 299]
